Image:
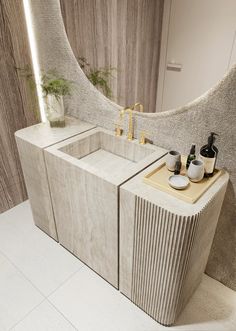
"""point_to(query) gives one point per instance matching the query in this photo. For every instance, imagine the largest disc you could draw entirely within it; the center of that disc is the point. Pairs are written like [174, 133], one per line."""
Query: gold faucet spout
[130, 134]
[138, 104]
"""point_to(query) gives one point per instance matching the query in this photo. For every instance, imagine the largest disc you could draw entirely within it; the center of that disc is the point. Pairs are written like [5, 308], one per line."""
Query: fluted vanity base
[162, 245]
[163, 253]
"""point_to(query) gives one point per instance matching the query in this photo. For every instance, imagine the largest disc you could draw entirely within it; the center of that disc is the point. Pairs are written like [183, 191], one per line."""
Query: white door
[198, 46]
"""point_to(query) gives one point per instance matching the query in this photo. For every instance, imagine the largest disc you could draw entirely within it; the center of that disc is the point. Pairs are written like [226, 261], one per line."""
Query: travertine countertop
[42, 135]
[166, 200]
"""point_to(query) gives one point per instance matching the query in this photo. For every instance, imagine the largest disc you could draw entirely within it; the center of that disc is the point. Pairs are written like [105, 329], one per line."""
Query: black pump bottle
[208, 154]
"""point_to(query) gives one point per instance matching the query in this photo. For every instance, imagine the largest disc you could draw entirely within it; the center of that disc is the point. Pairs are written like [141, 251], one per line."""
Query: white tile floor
[45, 288]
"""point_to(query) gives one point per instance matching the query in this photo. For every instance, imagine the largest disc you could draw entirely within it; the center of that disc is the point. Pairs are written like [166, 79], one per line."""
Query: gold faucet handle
[143, 139]
[138, 104]
[122, 113]
[118, 130]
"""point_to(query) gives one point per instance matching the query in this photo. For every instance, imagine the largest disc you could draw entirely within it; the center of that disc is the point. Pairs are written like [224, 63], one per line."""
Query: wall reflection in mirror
[162, 53]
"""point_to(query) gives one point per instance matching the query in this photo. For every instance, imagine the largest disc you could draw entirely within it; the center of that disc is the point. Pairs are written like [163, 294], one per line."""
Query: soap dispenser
[208, 154]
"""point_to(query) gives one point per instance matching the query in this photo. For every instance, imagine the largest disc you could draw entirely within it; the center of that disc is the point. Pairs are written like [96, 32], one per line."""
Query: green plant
[52, 83]
[98, 77]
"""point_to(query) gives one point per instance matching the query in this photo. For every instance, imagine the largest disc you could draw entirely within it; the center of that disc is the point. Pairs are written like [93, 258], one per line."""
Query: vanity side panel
[127, 211]
[203, 239]
[85, 208]
[36, 179]
[154, 256]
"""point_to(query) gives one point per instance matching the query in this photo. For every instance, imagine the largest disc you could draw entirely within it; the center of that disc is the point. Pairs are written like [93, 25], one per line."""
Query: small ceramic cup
[196, 171]
[171, 159]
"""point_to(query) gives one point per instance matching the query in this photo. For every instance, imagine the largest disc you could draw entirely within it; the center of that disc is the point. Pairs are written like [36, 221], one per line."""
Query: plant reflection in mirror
[99, 77]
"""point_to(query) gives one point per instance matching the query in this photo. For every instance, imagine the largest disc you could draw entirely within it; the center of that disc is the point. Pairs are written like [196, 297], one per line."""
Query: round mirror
[161, 53]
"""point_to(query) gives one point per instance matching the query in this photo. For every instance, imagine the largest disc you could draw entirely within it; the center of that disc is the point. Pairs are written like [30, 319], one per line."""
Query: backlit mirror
[162, 53]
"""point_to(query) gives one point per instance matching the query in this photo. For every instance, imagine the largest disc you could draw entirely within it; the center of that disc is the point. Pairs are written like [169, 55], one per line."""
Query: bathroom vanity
[87, 190]
[164, 244]
[31, 143]
[85, 174]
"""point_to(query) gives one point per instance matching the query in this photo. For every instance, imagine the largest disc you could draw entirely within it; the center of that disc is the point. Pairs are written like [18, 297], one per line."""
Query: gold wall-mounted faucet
[130, 134]
[129, 110]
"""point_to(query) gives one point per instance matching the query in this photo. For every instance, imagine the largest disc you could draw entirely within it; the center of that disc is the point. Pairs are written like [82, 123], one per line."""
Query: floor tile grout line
[31, 282]
[45, 298]
[65, 281]
[34, 308]
[22, 273]
[28, 313]
[61, 313]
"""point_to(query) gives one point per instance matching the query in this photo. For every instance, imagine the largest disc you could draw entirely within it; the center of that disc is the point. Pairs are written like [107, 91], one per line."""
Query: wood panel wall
[17, 101]
[123, 34]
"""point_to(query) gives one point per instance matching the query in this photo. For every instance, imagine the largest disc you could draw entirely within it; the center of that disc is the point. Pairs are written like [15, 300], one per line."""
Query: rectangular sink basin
[113, 157]
[85, 173]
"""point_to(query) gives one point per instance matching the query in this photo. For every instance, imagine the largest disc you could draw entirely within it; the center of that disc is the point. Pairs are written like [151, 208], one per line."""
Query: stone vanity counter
[31, 143]
[164, 244]
[85, 174]
[86, 190]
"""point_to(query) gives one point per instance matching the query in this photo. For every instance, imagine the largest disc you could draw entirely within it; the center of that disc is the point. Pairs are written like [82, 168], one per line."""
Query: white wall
[201, 37]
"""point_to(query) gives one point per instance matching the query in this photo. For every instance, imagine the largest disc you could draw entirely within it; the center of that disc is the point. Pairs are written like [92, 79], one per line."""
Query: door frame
[163, 54]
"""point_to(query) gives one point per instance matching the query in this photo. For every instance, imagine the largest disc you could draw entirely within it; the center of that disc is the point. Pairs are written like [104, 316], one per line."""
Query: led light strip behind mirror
[34, 55]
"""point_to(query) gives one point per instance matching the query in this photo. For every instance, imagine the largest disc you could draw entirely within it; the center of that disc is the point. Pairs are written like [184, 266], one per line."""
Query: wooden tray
[158, 178]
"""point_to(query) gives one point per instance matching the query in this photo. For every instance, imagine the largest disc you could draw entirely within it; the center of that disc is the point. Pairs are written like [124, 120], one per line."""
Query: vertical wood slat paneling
[159, 265]
[123, 34]
[16, 100]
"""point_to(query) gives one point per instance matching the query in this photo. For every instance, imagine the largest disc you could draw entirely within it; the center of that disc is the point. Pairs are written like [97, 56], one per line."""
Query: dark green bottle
[191, 156]
[208, 154]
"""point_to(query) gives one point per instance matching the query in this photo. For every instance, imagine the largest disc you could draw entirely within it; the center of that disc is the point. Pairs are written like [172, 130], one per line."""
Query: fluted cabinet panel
[160, 257]
[164, 245]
